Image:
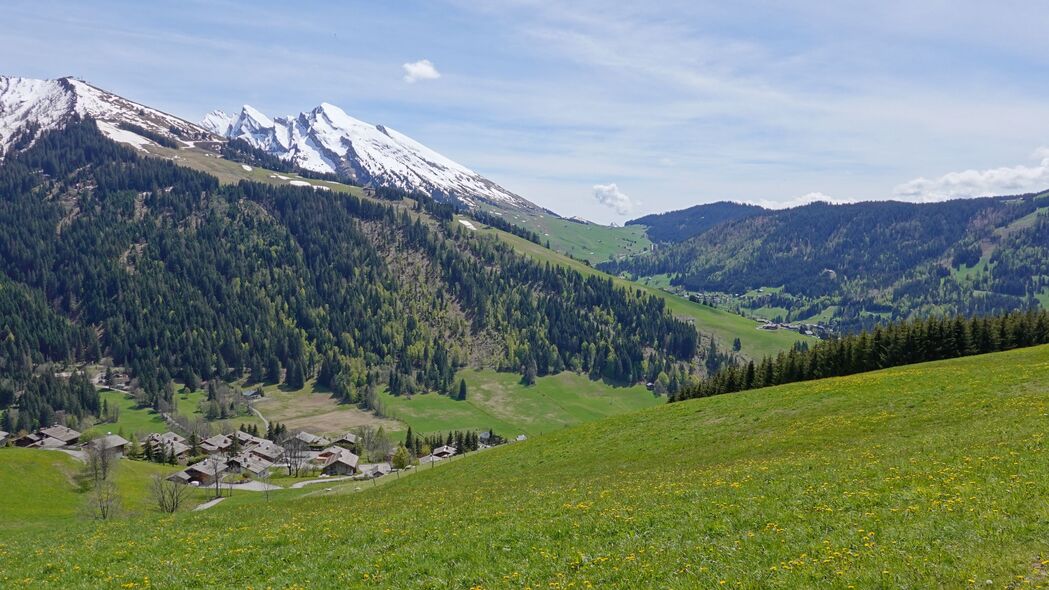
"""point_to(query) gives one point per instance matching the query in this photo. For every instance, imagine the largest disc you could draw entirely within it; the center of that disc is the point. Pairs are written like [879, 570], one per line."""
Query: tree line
[897, 344]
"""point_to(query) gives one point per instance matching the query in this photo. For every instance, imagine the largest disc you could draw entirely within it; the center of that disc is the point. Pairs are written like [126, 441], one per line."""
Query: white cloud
[610, 196]
[801, 200]
[420, 70]
[979, 183]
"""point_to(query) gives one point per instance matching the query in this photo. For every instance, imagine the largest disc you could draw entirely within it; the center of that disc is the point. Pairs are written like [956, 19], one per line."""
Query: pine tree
[462, 390]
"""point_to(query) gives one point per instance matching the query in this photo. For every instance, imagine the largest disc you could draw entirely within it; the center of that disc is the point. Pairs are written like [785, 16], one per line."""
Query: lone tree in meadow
[462, 390]
[168, 495]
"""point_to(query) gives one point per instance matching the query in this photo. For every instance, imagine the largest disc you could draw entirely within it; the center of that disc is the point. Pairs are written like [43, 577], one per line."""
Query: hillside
[930, 475]
[678, 226]
[176, 276]
[855, 265]
[723, 326]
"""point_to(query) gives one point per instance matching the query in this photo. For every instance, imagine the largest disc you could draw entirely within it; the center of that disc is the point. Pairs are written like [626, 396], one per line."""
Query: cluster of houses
[243, 453]
[817, 330]
[221, 455]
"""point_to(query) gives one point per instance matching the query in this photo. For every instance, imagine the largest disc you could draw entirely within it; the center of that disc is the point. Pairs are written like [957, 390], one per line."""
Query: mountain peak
[29, 107]
[327, 139]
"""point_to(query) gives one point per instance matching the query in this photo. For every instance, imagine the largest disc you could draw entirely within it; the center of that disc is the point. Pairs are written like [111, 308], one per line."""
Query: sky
[604, 111]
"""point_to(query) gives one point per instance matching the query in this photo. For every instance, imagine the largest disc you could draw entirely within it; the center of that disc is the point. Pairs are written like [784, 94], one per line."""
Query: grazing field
[501, 402]
[723, 325]
[40, 489]
[584, 241]
[312, 408]
[925, 476]
[131, 420]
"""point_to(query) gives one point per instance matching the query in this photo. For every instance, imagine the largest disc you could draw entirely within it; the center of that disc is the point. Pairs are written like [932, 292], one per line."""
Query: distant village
[240, 459]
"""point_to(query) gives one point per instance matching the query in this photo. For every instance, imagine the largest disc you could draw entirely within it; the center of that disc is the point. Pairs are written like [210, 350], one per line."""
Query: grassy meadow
[925, 476]
[499, 401]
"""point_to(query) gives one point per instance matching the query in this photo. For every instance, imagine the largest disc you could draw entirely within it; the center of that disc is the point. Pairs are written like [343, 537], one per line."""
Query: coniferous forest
[897, 344]
[106, 253]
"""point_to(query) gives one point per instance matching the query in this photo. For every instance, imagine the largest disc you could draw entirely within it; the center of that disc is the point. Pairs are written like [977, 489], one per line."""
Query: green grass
[38, 489]
[584, 241]
[132, 419]
[1043, 298]
[926, 476]
[723, 325]
[499, 401]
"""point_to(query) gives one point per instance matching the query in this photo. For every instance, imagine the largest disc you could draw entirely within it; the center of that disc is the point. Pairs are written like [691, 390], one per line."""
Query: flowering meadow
[931, 475]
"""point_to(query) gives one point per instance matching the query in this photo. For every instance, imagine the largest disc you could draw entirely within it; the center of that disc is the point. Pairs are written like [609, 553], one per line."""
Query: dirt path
[209, 504]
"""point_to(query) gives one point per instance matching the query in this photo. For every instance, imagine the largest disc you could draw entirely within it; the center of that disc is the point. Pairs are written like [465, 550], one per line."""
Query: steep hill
[926, 476]
[866, 262]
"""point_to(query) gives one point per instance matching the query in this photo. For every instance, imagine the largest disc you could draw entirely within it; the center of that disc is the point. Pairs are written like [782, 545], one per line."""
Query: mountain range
[323, 140]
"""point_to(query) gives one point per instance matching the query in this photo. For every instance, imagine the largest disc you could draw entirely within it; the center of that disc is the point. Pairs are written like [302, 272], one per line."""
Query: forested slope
[869, 262]
[110, 253]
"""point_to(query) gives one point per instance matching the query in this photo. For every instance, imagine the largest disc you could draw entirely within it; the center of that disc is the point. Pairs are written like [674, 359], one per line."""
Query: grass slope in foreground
[931, 475]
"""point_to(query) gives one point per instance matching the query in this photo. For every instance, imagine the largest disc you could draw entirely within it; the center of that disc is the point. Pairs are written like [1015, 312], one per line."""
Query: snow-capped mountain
[326, 139]
[29, 107]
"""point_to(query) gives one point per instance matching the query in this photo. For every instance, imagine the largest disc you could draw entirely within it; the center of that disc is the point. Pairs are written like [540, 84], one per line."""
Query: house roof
[246, 438]
[250, 463]
[176, 447]
[444, 450]
[208, 466]
[109, 441]
[312, 439]
[165, 438]
[348, 437]
[4, 434]
[375, 469]
[343, 456]
[219, 441]
[267, 450]
[62, 433]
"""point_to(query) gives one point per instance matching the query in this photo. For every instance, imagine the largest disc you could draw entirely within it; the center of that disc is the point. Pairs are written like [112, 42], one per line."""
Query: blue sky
[673, 103]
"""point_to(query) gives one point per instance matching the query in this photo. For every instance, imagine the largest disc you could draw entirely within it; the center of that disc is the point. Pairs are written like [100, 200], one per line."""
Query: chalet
[348, 440]
[220, 443]
[167, 444]
[202, 474]
[28, 440]
[267, 451]
[112, 444]
[246, 440]
[167, 437]
[521, 438]
[180, 450]
[373, 470]
[428, 459]
[248, 463]
[252, 394]
[443, 452]
[340, 462]
[3, 438]
[53, 437]
[313, 441]
[66, 436]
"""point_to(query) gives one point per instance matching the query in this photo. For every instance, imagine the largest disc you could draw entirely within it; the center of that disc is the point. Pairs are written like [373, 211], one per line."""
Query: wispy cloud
[420, 70]
[610, 196]
[980, 183]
